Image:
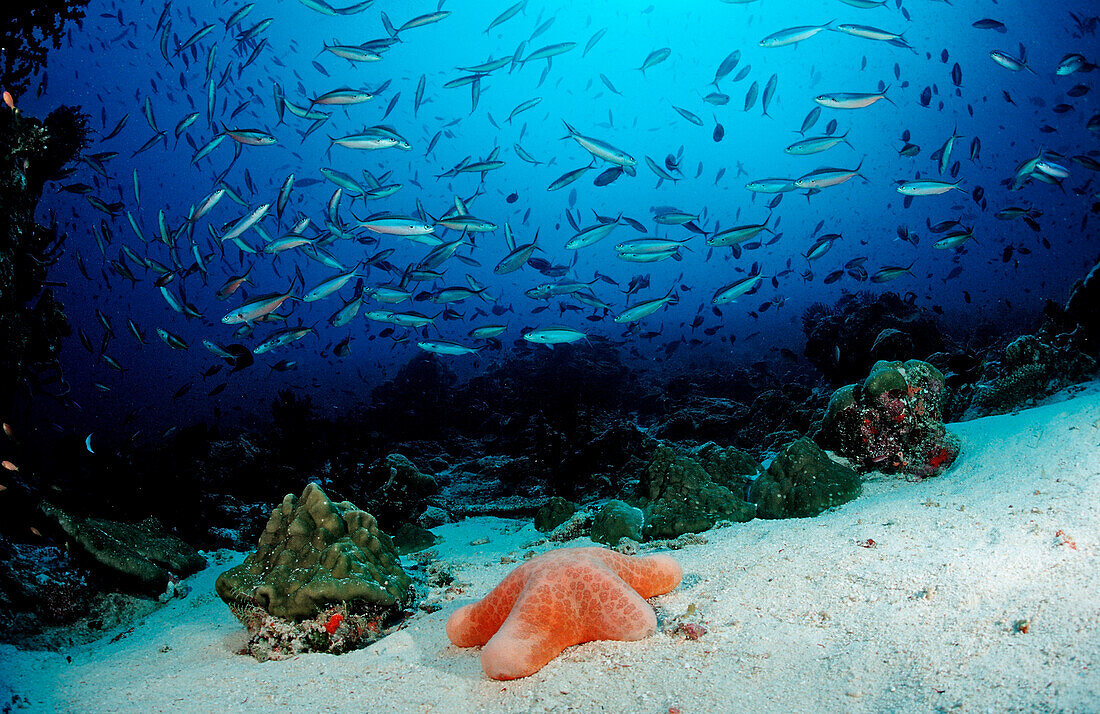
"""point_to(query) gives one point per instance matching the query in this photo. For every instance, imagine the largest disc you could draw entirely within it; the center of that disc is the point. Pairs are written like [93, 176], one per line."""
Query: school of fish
[388, 241]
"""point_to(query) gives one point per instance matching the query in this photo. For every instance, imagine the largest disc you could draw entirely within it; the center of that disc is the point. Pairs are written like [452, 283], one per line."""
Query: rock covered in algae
[32, 318]
[893, 422]
[412, 538]
[617, 520]
[140, 555]
[315, 553]
[556, 511]
[802, 482]
[682, 497]
[727, 466]
[401, 490]
[1028, 368]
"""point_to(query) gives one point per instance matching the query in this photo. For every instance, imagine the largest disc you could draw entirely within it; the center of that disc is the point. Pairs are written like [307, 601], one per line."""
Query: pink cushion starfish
[562, 598]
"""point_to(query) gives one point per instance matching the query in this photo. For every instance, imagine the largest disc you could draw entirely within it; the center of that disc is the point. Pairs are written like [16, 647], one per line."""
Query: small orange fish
[9, 100]
[36, 531]
[9, 465]
[8, 431]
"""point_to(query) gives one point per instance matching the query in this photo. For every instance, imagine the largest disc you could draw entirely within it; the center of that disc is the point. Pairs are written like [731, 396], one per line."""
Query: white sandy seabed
[800, 617]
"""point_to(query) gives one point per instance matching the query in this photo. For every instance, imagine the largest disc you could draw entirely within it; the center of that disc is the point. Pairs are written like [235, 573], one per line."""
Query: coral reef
[315, 555]
[140, 555]
[845, 340]
[893, 421]
[726, 466]
[802, 482]
[26, 35]
[334, 630]
[558, 599]
[556, 511]
[617, 520]
[32, 320]
[1080, 312]
[680, 496]
[398, 490]
[1028, 368]
[315, 552]
[758, 419]
[576, 526]
[417, 399]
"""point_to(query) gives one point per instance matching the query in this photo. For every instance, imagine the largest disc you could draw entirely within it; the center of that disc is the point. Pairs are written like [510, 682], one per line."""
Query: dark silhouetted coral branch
[27, 32]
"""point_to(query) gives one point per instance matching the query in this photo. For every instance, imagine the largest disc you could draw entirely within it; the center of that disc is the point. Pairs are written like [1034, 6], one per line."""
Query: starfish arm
[558, 599]
[476, 623]
[537, 630]
[579, 603]
[650, 575]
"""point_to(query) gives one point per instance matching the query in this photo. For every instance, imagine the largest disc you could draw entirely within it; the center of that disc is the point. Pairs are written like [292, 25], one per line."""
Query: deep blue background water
[112, 65]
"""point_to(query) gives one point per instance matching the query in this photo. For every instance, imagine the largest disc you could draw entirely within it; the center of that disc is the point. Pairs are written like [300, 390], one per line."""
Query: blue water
[112, 66]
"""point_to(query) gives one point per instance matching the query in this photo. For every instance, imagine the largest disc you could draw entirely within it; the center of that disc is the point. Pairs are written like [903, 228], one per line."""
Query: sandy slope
[799, 615]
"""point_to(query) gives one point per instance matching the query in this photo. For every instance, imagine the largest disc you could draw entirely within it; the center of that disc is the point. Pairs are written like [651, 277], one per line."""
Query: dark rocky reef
[802, 482]
[140, 556]
[28, 30]
[755, 410]
[32, 320]
[78, 577]
[1079, 315]
[892, 421]
[1027, 369]
[569, 440]
[845, 340]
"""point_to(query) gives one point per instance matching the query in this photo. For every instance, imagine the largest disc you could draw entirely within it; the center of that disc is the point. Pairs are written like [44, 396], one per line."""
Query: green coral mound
[727, 466]
[1030, 368]
[887, 377]
[683, 497]
[140, 554]
[314, 553]
[842, 399]
[617, 520]
[802, 482]
[556, 511]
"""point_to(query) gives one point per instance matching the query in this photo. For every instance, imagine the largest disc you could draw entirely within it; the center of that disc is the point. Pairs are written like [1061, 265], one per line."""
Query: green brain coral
[313, 553]
[682, 497]
[802, 482]
[617, 520]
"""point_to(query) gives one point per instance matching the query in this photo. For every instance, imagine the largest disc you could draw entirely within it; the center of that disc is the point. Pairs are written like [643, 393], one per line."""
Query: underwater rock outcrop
[417, 400]
[1079, 314]
[844, 340]
[802, 482]
[681, 496]
[701, 418]
[32, 319]
[411, 538]
[141, 555]
[893, 421]
[767, 417]
[1028, 368]
[556, 511]
[28, 31]
[319, 566]
[399, 489]
[617, 520]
